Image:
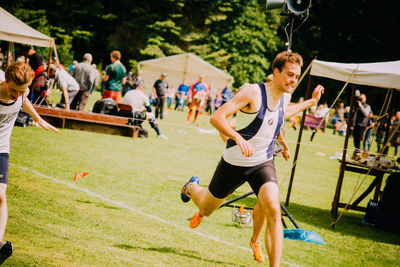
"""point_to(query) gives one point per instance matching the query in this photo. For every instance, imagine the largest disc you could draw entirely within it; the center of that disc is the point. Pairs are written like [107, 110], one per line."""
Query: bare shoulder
[248, 89]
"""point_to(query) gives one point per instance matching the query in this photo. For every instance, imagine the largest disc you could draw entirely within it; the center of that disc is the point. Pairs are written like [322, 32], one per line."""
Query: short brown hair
[20, 73]
[286, 56]
[116, 54]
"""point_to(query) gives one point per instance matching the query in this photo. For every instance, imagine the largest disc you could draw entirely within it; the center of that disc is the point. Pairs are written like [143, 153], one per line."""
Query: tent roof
[382, 74]
[14, 30]
[183, 66]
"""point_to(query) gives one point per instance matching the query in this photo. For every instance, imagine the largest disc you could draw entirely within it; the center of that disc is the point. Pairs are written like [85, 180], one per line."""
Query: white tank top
[8, 115]
[261, 131]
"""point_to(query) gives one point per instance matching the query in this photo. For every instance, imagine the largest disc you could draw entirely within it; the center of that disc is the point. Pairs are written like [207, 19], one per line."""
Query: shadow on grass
[349, 224]
[184, 253]
[98, 204]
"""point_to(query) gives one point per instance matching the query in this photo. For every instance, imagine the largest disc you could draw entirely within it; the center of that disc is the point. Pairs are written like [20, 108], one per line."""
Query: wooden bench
[87, 121]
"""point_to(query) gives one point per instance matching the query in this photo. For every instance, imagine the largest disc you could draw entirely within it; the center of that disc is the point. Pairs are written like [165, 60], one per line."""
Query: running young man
[198, 92]
[248, 156]
[13, 96]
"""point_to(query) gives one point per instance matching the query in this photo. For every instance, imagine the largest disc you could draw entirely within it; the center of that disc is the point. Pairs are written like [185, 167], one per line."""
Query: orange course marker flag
[241, 209]
[79, 175]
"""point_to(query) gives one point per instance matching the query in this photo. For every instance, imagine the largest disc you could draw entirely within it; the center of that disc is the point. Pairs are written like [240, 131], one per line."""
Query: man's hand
[318, 91]
[45, 125]
[245, 146]
[286, 154]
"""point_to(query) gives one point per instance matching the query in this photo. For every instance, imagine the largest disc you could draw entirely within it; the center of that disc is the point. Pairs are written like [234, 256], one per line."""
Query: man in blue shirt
[183, 91]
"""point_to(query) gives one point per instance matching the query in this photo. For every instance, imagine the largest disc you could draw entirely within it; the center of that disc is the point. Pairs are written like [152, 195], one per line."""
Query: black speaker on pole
[295, 7]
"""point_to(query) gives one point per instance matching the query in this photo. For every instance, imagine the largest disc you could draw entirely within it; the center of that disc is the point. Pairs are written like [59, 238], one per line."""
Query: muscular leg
[3, 210]
[204, 200]
[269, 198]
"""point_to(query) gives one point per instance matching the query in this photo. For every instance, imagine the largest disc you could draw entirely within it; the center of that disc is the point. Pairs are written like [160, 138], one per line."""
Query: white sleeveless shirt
[8, 115]
[261, 132]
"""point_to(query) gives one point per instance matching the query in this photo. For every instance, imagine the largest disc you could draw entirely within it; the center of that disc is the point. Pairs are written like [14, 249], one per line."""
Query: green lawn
[127, 211]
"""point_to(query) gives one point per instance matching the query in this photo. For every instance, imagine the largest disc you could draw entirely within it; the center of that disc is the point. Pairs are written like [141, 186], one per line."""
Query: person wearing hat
[159, 89]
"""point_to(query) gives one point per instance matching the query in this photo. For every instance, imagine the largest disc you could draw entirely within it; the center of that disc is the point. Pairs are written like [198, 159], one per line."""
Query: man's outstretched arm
[296, 108]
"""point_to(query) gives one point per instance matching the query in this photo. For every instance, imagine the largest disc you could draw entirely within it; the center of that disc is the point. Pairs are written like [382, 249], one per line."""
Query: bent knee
[272, 211]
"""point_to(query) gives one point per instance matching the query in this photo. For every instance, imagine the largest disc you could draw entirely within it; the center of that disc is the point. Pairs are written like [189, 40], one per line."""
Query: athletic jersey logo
[270, 121]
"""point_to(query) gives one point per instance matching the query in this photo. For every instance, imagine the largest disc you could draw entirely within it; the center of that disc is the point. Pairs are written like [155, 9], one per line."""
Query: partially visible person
[13, 94]
[360, 121]
[338, 116]
[115, 77]
[198, 93]
[130, 82]
[211, 98]
[72, 66]
[66, 83]
[295, 121]
[141, 108]
[218, 99]
[367, 137]
[226, 94]
[38, 86]
[182, 94]
[96, 78]
[160, 88]
[170, 96]
[395, 142]
[85, 76]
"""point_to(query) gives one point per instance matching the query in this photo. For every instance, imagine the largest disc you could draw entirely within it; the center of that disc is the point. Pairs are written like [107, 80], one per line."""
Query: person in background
[211, 97]
[13, 94]
[360, 122]
[38, 86]
[115, 77]
[72, 66]
[85, 76]
[170, 96]
[395, 142]
[141, 108]
[198, 93]
[160, 88]
[96, 78]
[66, 83]
[367, 137]
[226, 94]
[129, 84]
[181, 94]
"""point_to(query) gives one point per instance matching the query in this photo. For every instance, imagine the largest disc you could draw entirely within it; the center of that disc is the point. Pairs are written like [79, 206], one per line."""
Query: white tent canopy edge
[14, 30]
[381, 74]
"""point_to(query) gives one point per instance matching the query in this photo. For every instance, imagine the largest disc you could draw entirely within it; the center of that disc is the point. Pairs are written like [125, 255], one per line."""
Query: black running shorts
[228, 177]
[4, 168]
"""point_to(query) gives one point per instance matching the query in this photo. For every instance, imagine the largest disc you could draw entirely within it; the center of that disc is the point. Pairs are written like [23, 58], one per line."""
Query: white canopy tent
[382, 74]
[14, 30]
[180, 67]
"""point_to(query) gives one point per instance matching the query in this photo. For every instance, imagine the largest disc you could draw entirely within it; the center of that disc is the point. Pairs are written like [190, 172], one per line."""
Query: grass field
[127, 211]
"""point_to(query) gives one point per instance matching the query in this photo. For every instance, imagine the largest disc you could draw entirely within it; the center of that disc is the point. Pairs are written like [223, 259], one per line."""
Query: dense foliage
[237, 36]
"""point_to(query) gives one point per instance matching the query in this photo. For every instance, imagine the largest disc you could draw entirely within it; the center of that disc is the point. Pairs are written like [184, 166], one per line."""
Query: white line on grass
[151, 216]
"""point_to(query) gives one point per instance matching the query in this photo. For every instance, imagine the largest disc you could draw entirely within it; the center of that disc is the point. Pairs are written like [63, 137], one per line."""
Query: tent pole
[8, 54]
[389, 115]
[308, 95]
[336, 199]
[48, 65]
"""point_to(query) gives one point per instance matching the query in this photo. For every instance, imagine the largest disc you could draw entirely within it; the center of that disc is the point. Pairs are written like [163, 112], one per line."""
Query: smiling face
[288, 77]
